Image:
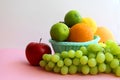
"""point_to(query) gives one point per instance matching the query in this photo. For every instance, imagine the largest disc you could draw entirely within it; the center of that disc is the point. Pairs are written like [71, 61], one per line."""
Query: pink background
[14, 66]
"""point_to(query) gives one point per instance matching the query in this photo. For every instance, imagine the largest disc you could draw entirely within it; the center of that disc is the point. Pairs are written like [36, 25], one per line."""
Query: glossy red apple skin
[34, 52]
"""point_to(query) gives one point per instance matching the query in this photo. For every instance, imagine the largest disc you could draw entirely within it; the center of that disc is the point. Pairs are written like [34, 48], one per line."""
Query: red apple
[35, 50]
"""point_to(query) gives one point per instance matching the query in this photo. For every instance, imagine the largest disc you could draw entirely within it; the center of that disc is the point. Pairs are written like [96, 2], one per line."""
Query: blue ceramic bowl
[65, 46]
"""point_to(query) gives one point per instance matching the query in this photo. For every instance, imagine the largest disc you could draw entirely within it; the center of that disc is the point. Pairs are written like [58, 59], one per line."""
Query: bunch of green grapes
[93, 59]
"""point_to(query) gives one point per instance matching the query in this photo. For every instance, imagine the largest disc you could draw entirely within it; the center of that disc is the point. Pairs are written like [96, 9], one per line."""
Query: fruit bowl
[65, 46]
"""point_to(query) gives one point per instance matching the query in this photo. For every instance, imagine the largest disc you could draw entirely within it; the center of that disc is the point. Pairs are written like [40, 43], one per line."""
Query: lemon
[91, 23]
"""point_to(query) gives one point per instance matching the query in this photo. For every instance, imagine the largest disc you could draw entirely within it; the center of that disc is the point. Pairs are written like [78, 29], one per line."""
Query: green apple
[59, 31]
[72, 17]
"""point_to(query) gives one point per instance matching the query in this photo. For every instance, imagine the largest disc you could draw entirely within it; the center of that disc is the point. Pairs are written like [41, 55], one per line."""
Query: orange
[105, 34]
[80, 32]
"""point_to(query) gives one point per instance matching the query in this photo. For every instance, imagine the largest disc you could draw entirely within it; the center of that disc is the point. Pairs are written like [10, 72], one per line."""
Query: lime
[59, 32]
[72, 17]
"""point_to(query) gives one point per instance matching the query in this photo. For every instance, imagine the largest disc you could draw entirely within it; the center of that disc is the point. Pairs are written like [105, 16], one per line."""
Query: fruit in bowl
[72, 17]
[59, 31]
[72, 33]
[91, 23]
[78, 35]
[80, 32]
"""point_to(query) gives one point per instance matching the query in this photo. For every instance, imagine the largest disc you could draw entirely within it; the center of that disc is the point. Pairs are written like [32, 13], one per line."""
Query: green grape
[56, 69]
[67, 61]
[79, 68]
[84, 60]
[44, 56]
[78, 54]
[58, 54]
[92, 62]
[85, 69]
[102, 67]
[72, 69]
[76, 61]
[47, 57]
[64, 70]
[117, 72]
[55, 58]
[84, 50]
[108, 57]
[71, 53]
[107, 49]
[100, 58]
[94, 48]
[51, 64]
[93, 70]
[47, 68]
[114, 63]
[118, 56]
[113, 70]
[60, 63]
[115, 50]
[110, 43]
[64, 54]
[91, 55]
[108, 69]
[42, 63]
[102, 44]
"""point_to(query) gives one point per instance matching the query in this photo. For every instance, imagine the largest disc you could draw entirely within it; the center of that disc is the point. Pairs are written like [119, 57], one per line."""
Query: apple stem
[40, 40]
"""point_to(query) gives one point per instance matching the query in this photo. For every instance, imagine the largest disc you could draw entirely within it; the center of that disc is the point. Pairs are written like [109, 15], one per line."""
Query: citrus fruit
[59, 32]
[72, 17]
[104, 33]
[91, 23]
[80, 32]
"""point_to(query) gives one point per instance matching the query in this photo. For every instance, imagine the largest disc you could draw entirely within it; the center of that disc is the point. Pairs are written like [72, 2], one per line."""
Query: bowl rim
[96, 39]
